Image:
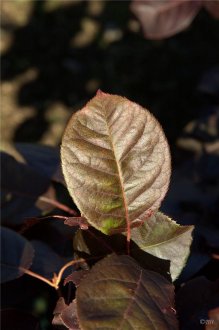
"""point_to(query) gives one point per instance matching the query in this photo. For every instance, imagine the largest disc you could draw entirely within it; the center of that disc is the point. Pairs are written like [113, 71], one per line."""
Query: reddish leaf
[213, 7]
[65, 315]
[94, 243]
[116, 162]
[76, 277]
[119, 294]
[162, 19]
[77, 221]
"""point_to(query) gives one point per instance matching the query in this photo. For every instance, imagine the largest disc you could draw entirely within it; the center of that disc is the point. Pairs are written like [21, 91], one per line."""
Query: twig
[58, 205]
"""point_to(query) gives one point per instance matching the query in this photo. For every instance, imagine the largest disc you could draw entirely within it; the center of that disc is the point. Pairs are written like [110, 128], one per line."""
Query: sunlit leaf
[116, 162]
[164, 238]
[16, 255]
[118, 294]
[162, 19]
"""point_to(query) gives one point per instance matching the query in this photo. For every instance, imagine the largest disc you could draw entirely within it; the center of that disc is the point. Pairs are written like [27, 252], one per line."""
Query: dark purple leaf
[21, 186]
[76, 277]
[213, 7]
[77, 221]
[43, 159]
[118, 294]
[46, 262]
[94, 243]
[66, 315]
[21, 179]
[16, 255]
[69, 316]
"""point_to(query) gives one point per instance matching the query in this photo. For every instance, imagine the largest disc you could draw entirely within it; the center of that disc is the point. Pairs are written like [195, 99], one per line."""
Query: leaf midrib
[120, 177]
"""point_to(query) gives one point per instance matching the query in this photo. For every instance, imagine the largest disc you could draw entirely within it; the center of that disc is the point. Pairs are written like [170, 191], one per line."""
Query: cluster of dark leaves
[45, 245]
[193, 196]
[30, 237]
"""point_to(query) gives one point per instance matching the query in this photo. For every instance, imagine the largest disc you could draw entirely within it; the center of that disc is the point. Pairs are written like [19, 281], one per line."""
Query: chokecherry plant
[116, 164]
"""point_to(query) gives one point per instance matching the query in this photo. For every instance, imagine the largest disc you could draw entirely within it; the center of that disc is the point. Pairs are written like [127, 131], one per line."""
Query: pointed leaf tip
[165, 239]
[100, 93]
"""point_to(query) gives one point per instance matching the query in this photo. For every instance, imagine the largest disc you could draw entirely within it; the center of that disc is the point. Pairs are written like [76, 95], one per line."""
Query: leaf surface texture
[165, 239]
[115, 161]
[118, 294]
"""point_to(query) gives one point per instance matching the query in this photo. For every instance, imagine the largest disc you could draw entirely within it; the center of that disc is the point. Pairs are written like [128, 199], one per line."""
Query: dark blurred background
[55, 54]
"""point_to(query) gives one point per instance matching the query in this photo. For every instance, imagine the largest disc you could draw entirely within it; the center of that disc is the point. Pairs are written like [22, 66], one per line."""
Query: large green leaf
[118, 294]
[116, 162]
[165, 239]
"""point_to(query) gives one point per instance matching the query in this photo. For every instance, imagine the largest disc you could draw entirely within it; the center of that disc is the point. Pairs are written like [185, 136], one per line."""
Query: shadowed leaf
[76, 221]
[164, 238]
[162, 19]
[118, 294]
[21, 188]
[19, 182]
[213, 7]
[94, 243]
[46, 262]
[16, 255]
[76, 277]
[116, 162]
[43, 159]
[65, 315]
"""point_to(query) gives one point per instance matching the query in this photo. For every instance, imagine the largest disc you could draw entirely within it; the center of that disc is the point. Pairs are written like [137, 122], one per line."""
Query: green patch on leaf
[118, 294]
[165, 239]
[116, 162]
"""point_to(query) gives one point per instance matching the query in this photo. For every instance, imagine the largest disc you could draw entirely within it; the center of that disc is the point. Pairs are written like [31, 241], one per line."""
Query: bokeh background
[56, 54]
